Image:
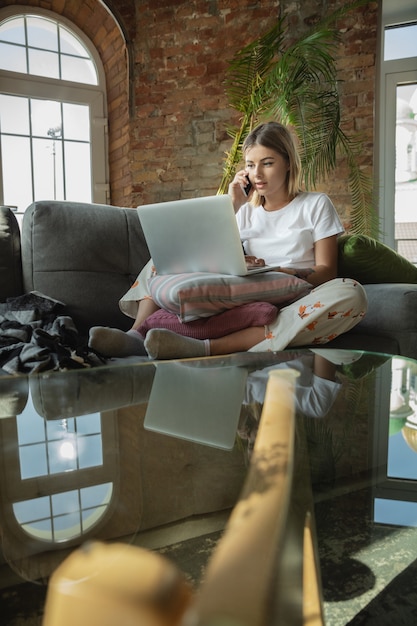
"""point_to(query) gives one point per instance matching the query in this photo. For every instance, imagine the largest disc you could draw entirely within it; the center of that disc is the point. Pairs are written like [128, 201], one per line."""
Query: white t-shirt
[286, 237]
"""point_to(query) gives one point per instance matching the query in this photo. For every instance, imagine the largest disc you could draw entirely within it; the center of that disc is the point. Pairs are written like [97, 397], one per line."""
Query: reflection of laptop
[200, 404]
[195, 235]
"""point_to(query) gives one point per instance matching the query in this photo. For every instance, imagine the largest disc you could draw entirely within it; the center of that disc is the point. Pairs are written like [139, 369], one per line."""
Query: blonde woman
[279, 225]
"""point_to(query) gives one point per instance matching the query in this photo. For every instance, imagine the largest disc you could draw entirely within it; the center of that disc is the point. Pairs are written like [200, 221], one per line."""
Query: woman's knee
[355, 294]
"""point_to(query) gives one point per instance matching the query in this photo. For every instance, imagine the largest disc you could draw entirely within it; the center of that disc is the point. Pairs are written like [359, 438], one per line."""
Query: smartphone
[248, 186]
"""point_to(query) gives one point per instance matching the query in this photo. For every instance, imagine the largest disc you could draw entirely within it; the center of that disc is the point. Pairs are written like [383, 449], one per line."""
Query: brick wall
[165, 65]
[178, 133]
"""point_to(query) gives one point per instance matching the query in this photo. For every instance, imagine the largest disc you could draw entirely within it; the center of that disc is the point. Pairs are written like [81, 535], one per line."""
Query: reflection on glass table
[157, 454]
[396, 488]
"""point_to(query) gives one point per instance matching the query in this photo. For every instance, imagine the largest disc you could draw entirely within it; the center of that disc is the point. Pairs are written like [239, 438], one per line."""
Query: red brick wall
[168, 112]
[181, 113]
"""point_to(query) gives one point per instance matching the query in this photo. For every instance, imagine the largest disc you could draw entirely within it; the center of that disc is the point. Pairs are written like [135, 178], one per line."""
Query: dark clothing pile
[36, 335]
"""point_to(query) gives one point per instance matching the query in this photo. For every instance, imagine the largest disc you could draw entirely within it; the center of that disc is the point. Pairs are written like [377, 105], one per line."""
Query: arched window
[53, 123]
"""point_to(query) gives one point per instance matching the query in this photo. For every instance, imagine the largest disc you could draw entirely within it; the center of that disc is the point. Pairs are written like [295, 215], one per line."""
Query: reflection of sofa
[87, 256]
[147, 494]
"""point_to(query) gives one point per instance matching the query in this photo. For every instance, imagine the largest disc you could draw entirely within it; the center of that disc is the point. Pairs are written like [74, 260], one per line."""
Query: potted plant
[295, 82]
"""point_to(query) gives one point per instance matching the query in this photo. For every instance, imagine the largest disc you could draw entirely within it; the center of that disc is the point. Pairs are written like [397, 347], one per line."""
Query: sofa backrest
[10, 260]
[85, 255]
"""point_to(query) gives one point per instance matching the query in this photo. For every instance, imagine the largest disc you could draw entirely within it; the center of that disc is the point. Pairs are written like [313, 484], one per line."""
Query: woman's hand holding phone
[240, 189]
[247, 188]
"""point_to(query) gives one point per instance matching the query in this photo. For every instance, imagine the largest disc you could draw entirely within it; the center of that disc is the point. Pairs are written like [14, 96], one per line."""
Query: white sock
[115, 342]
[165, 344]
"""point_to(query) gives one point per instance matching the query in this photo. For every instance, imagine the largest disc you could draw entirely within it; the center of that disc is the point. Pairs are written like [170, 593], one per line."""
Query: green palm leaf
[295, 82]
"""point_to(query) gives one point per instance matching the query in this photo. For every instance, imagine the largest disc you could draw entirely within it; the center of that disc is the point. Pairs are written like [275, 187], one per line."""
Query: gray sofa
[88, 255]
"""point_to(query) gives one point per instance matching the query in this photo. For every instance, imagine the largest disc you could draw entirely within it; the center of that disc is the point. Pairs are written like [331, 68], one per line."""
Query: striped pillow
[192, 296]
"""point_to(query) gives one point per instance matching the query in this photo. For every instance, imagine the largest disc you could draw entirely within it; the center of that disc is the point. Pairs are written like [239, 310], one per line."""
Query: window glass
[43, 63]
[12, 58]
[95, 496]
[400, 42]
[36, 508]
[67, 527]
[42, 33]
[89, 426]
[14, 115]
[90, 451]
[13, 31]
[52, 50]
[78, 70]
[70, 44]
[45, 116]
[33, 461]
[17, 170]
[48, 169]
[77, 171]
[66, 502]
[76, 121]
[30, 426]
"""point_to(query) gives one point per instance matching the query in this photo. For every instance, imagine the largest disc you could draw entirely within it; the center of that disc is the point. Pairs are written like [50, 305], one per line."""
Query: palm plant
[295, 83]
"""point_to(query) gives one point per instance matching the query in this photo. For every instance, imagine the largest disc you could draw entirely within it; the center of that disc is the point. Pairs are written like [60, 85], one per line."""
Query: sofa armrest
[392, 313]
[85, 255]
[10, 259]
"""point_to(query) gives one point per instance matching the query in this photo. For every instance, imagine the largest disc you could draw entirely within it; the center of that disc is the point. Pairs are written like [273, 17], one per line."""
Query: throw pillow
[370, 261]
[230, 321]
[192, 296]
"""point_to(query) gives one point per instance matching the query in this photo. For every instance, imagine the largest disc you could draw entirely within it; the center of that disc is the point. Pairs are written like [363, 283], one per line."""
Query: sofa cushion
[85, 255]
[370, 261]
[201, 294]
[230, 321]
[10, 261]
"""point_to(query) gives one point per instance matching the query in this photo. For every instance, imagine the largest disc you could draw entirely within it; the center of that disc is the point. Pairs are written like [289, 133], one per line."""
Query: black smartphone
[248, 186]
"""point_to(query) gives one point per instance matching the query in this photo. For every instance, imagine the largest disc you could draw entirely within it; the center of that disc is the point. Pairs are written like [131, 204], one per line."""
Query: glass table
[157, 454]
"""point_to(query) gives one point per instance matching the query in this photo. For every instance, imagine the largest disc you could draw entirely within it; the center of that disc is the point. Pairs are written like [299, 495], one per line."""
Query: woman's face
[267, 170]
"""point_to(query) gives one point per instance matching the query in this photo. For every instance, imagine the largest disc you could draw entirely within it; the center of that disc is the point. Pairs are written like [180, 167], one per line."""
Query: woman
[279, 225]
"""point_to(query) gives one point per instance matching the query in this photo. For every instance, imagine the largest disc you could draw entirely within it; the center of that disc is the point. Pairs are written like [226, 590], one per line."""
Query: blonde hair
[280, 139]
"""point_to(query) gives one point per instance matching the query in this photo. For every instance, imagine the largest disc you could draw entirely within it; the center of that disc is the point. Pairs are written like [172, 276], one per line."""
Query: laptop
[199, 404]
[195, 235]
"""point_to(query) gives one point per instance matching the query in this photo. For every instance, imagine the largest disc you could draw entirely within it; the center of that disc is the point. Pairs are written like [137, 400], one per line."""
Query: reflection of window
[402, 442]
[68, 461]
[63, 516]
[51, 447]
[395, 512]
[44, 47]
[395, 449]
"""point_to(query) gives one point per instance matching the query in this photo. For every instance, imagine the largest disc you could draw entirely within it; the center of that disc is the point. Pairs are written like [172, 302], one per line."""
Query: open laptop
[200, 404]
[195, 235]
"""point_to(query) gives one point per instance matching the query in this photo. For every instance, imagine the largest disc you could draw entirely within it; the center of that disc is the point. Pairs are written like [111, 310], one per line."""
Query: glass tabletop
[156, 454]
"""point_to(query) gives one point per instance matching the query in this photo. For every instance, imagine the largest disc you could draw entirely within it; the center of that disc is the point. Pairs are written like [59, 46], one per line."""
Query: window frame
[391, 73]
[30, 85]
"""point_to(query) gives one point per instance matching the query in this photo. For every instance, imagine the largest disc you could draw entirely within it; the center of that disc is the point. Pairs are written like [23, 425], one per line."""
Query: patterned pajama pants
[326, 312]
